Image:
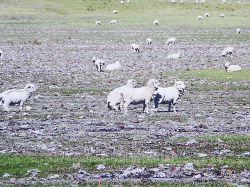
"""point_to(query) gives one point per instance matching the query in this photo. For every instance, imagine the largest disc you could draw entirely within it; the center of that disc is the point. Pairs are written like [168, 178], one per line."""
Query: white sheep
[149, 41]
[139, 95]
[16, 96]
[227, 51]
[114, 66]
[1, 55]
[98, 23]
[232, 68]
[207, 15]
[200, 17]
[173, 1]
[169, 95]
[122, 2]
[135, 48]
[156, 22]
[238, 2]
[113, 22]
[114, 97]
[224, 1]
[115, 12]
[238, 30]
[171, 41]
[174, 56]
[222, 15]
[99, 63]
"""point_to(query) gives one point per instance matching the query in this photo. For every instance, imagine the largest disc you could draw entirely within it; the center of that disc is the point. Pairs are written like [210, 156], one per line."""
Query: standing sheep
[114, 97]
[200, 17]
[169, 95]
[149, 41]
[238, 30]
[207, 15]
[171, 41]
[232, 68]
[222, 15]
[227, 51]
[113, 22]
[139, 95]
[115, 12]
[99, 63]
[135, 48]
[15, 96]
[98, 23]
[156, 22]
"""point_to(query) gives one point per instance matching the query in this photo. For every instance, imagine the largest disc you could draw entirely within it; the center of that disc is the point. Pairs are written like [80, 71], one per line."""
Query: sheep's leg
[169, 106]
[174, 107]
[146, 108]
[21, 106]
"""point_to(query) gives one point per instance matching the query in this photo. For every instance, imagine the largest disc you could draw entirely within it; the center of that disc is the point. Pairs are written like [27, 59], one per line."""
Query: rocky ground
[68, 114]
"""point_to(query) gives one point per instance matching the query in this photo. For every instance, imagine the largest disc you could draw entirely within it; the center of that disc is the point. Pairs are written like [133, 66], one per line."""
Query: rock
[197, 177]
[201, 155]
[226, 152]
[192, 142]
[245, 154]
[33, 172]
[101, 167]
[76, 165]
[189, 167]
[6, 175]
[56, 176]
[28, 108]
[160, 175]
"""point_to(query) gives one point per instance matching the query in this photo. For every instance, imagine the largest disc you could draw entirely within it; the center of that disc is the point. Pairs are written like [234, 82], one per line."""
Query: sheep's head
[180, 85]
[153, 83]
[94, 59]
[132, 83]
[30, 87]
[227, 65]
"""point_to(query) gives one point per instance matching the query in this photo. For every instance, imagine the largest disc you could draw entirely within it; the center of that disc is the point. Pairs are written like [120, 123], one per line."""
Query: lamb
[232, 68]
[222, 15]
[114, 66]
[139, 95]
[99, 63]
[135, 48]
[115, 12]
[98, 23]
[207, 15]
[227, 51]
[174, 56]
[114, 97]
[156, 22]
[238, 30]
[171, 41]
[149, 41]
[200, 17]
[15, 96]
[113, 22]
[169, 95]
[1, 55]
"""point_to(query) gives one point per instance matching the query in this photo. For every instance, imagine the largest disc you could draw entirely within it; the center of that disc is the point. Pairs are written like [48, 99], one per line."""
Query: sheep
[156, 22]
[238, 2]
[173, 1]
[174, 56]
[227, 51]
[182, 1]
[207, 15]
[232, 68]
[1, 55]
[99, 63]
[98, 23]
[15, 96]
[200, 17]
[115, 12]
[171, 41]
[114, 66]
[139, 95]
[224, 1]
[113, 22]
[122, 2]
[169, 95]
[135, 48]
[149, 41]
[114, 97]
[222, 15]
[238, 30]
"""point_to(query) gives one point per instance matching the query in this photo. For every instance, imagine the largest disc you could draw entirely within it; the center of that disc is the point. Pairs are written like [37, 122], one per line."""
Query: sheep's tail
[108, 106]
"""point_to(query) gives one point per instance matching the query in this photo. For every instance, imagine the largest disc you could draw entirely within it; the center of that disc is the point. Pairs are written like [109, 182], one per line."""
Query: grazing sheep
[238, 30]
[169, 95]
[139, 95]
[227, 51]
[15, 96]
[1, 55]
[171, 41]
[115, 12]
[98, 23]
[114, 97]
[156, 22]
[207, 15]
[232, 68]
[135, 48]
[99, 63]
[174, 56]
[222, 15]
[114, 66]
[113, 22]
[149, 41]
[200, 17]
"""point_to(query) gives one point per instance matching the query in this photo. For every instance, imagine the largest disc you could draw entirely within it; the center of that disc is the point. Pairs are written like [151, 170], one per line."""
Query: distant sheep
[115, 12]
[15, 96]
[139, 95]
[174, 56]
[156, 22]
[113, 22]
[232, 68]
[200, 17]
[207, 15]
[114, 97]
[222, 15]
[1, 55]
[122, 2]
[171, 41]
[227, 51]
[169, 95]
[114, 66]
[99, 63]
[224, 1]
[238, 30]
[149, 41]
[135, 48]
[173, 1]
[98, 23]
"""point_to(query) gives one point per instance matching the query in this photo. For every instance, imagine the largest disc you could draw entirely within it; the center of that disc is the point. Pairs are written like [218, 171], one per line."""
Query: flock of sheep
[120, 98]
